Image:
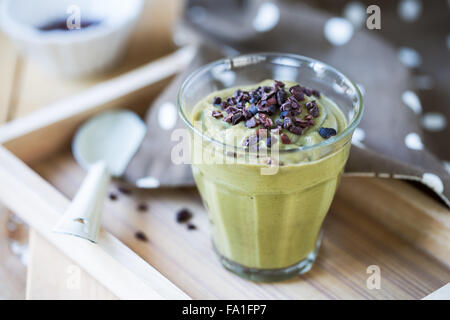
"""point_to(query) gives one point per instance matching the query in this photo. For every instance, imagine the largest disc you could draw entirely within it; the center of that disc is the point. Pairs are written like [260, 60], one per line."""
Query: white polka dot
[338, 31]
[411, 99]
[267, 17]
[413, 141]
[358, 137]
[434, 121]
[409, 57]
[447, 166]
[167, 116]
[147, 183]
[409, 10]
[355, 12]
[433, 181]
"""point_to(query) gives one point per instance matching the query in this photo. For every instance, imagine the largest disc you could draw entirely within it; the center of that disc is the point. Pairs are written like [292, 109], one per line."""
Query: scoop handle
[83, 216]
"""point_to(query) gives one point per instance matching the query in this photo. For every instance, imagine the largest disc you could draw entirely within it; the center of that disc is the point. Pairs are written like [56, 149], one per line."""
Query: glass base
[271, 275]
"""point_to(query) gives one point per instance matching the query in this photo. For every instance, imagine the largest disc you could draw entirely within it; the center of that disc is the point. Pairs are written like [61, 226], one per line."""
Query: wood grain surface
[354, 239]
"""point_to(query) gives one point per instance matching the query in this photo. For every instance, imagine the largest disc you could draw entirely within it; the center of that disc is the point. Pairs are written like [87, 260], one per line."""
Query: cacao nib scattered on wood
[191, 226]
[183, 215]
[217, 114]
[113, 196]
[124, 190]
[285, 139]
[295, 130]
[327, 132]
[142, 207]
[141, 236]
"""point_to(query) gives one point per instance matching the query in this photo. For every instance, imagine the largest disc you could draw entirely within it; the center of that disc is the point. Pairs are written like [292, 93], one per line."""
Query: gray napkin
[390, 141]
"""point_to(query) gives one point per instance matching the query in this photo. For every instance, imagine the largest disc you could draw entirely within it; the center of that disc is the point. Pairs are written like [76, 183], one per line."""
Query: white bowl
[71, 53]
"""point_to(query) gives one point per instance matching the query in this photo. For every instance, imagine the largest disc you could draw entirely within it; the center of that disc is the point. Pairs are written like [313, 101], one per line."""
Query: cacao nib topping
[313, 109]
[236, 118]
[284, 113]
[287, 123]
[247, 114]
[253, 109]
[281, 97]
[327, 132]
[217, 114]
[285, 139]
[228, 118]
[303, 123]
[256, 107]
[278, 84]
[299, 96]
[265, 120]
[252, 122]
[295, 130]
[271, 109]
[217, 101]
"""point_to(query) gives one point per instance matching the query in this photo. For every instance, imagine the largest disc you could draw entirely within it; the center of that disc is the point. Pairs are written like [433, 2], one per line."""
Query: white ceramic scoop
[103, 145]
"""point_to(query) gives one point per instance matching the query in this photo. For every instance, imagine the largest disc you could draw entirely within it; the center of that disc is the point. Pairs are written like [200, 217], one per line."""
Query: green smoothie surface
[294, 116]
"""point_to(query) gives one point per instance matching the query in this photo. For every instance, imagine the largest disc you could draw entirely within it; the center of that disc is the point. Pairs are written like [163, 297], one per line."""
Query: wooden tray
[386, 223]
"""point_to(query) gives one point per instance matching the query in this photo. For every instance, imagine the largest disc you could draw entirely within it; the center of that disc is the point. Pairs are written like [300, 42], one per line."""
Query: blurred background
[406, 54]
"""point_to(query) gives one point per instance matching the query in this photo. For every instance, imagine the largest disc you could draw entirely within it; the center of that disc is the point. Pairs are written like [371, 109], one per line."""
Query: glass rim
[229, 61]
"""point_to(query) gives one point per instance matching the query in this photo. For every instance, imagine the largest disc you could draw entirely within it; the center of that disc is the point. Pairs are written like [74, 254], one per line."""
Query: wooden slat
[405, 210]
[440, 294]
[8, 60]
[47, 130]
[66, 281]
[118, 268]
[354, 239]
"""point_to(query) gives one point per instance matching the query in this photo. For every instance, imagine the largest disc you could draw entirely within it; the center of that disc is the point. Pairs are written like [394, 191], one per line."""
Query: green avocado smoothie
[268, 221]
